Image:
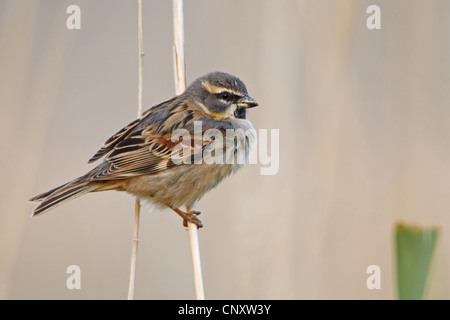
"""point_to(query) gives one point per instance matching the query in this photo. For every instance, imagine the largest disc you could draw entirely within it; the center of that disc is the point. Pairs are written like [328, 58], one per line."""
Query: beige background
[364, 143]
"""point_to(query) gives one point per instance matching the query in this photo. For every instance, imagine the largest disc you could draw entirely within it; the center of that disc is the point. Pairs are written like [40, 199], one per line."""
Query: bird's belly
[181, 185]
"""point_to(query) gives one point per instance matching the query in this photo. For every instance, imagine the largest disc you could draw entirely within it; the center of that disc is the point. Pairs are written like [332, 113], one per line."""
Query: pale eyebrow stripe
[215, 89]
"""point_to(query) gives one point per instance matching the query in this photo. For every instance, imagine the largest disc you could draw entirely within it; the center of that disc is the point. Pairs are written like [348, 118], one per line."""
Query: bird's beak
[247, 102]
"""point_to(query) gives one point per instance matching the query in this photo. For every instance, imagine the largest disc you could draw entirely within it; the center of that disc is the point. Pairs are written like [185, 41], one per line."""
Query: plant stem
[137, 206]
[180, 86]
[134, 250]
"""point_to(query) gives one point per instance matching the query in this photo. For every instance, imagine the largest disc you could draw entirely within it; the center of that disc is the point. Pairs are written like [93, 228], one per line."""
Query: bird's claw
[191, 217]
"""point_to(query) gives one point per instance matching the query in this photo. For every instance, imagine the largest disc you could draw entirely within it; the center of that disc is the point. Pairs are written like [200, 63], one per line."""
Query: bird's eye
[225, 95]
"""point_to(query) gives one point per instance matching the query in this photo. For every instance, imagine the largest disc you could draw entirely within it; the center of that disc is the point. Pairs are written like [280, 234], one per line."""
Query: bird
[175, 152]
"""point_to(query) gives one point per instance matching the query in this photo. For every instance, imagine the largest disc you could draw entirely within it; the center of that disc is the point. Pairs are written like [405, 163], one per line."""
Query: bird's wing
[147, 145]
[120, 135]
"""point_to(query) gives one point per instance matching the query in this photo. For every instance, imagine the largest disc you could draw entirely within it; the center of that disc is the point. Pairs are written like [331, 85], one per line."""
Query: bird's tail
[57, 196]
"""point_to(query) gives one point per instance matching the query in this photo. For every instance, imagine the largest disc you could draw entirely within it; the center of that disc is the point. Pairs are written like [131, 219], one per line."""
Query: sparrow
[151, 160]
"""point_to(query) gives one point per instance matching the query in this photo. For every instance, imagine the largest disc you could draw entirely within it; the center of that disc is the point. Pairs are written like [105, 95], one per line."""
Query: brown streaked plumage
[139, 158]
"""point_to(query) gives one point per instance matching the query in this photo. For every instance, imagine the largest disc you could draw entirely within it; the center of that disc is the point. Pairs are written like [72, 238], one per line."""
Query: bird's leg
[189, 216]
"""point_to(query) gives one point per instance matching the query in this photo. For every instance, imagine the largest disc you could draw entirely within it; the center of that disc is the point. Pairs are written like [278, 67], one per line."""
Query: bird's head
[221, 95]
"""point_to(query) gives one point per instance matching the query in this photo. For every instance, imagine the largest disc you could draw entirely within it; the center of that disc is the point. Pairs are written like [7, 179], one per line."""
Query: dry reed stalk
[137, 206]
[180, 86]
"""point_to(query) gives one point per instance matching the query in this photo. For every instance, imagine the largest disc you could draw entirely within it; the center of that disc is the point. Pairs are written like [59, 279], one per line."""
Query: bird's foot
[190, 216]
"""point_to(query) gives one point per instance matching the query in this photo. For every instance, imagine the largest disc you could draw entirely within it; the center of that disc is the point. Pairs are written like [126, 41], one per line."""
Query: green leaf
[414, 248]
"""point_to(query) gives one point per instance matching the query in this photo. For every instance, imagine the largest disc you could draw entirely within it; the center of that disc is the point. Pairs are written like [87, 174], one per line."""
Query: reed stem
[137, 206]
[180, 86]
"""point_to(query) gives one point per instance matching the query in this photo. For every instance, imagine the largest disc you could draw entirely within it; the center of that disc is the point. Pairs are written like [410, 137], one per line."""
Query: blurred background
[364, 123]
